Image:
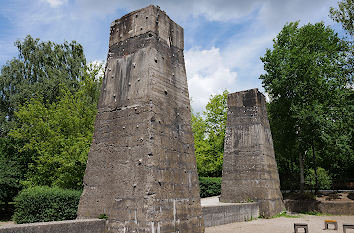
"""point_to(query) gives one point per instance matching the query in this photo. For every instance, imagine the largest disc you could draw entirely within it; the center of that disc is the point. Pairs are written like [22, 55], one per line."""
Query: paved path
[283, 225]
[214, 201]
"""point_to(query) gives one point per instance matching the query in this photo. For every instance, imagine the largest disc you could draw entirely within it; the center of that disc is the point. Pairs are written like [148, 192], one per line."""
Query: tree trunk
[315, 168]
[302, 180]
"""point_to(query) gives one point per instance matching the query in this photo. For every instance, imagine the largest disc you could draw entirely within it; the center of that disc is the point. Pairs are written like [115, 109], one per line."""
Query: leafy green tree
[209, 134]
[44, 77]
[344, 14]
[10, 172]
[58, 135]
[308, 78]
[37, 72]
[324, 179]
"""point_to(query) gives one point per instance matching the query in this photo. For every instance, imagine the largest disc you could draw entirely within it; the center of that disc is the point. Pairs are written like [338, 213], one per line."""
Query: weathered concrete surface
[70, 226]
[141, 169]
[218, 213]
[327, 207]
[249, 168]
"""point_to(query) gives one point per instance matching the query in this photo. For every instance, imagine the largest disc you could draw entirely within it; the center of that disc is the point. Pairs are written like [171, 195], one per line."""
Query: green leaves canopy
[344, 14]
[48, 100]
[308, 79]
[39, 70]
[58, 135]
[209, 134]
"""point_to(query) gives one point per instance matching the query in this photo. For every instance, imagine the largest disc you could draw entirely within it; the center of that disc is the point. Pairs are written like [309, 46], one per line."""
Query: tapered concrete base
[249, 169]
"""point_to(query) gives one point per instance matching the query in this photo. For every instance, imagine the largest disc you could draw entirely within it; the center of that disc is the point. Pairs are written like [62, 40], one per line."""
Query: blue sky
[223, 39]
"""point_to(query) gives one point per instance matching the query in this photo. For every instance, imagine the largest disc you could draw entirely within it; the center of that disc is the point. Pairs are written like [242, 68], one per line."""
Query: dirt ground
[283, 225]
[323, 197]
[344, 196]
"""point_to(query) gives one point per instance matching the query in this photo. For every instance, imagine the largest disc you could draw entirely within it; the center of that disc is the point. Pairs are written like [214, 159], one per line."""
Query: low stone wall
[229, 213]
[214, 213]
[70, 226]
[328, 207]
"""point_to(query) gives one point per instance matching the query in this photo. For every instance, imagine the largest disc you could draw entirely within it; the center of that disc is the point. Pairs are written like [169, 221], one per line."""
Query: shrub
[43, 204]
[6, 211]
[210, 186]
[324, 179]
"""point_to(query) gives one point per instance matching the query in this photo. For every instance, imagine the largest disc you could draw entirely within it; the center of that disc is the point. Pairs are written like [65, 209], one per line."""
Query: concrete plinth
[218, 213]
[249, 168]
[141, 169]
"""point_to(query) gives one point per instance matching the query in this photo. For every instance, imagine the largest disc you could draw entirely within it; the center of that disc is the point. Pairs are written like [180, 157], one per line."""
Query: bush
[324, 180]
[210, 186]
[6, 211]
[43, 204]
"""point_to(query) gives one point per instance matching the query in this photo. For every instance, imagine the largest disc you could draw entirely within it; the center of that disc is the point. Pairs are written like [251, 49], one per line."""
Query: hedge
[43, 204]
[210, 186]
[6, 211]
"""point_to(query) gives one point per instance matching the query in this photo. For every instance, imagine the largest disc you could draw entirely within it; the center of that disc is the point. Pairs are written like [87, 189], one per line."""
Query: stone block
[249, 168]
[141, 169]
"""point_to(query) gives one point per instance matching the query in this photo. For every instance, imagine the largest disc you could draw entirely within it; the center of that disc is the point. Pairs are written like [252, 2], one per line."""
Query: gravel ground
[283, 225]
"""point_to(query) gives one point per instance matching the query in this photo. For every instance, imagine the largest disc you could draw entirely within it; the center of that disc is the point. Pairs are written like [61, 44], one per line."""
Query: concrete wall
[141, 169]
[71, 226]
[224, 214]
[249, 168]
[328, 207]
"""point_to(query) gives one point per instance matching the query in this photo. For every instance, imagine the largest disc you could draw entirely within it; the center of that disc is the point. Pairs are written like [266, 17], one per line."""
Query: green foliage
[324, 180]
[209, 186]
[58, 135]
[285, 215]
[10, 172]
[344, 14]
[103, 216]
[6, 211]
[209, 134]
[43, 204]
[43, 91]
[39, 71]
[308, 78]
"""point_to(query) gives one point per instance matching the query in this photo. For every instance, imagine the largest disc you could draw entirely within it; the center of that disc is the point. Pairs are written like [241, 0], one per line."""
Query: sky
[224, 39]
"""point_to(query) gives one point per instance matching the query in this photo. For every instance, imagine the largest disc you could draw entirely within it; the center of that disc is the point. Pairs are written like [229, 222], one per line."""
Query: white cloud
[207, 75]
[229, 59]
[98, 64]
[56, 3]
[271, 13]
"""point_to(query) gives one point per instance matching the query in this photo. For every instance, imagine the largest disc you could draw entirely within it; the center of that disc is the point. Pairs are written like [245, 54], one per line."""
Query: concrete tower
[141, 169]
[249, 168]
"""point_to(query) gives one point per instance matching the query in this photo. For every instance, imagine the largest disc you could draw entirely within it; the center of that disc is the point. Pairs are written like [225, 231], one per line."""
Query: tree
[308, 78]
[47, 77]
[344, 15]
[209, 134]
[58, 135]
[39, 70]
[10, 172]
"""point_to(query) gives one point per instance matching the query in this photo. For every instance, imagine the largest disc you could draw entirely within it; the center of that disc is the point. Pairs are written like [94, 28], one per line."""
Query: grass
[285, 215]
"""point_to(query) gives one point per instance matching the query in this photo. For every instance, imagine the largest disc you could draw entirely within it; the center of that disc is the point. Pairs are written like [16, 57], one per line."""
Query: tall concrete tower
[249, 168]
[141, 169]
